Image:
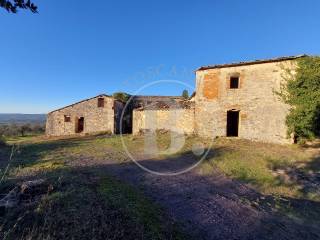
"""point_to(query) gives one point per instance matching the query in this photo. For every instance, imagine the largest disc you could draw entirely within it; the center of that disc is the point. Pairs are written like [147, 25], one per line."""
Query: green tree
[12, 130]
[301, 91]
[122, 96]
[25, 128]
[38, 128]
[185, 94]
[13, 5]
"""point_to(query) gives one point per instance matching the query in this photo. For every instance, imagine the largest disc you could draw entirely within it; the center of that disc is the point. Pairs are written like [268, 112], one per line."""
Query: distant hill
[7, 118]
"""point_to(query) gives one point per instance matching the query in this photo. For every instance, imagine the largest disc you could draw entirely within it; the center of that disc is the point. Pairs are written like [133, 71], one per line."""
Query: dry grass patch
[84, 203]
[260, 164]
[289, 174]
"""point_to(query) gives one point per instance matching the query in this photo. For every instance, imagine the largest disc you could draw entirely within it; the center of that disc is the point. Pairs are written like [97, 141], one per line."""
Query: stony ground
[219, 199]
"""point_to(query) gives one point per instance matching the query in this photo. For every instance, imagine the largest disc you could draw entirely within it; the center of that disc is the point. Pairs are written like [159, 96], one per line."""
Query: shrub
[185, 94]
[21, 130]
[302, 92]
[2, 141]
[122, 96]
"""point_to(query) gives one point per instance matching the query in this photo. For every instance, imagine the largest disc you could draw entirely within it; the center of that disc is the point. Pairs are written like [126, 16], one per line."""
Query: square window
[67, 118]
[100, 102]
[234, 82]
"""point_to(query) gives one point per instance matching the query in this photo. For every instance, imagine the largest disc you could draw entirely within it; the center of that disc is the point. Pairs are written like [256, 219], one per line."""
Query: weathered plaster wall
[174, 119]
[96, 119]
[262, 114]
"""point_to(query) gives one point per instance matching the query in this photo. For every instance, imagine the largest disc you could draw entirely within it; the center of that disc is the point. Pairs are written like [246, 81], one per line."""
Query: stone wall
[96, 119]
[173, 119]
[262, 113]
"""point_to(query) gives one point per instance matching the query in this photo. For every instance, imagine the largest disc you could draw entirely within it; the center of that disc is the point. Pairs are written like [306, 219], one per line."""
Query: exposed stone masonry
[237, 99]
[96, 119]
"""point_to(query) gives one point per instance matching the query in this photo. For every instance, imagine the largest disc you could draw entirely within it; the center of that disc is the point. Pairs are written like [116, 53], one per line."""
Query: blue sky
[75, 49]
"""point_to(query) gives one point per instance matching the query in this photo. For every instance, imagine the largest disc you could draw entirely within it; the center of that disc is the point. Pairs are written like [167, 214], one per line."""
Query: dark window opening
[234, 82]
[80, 125]
[101, 102]
[67, 118]
[232, 123]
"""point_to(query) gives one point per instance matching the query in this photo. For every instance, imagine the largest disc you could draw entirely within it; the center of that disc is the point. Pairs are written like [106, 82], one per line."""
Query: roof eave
[71, 105]
[280, 59]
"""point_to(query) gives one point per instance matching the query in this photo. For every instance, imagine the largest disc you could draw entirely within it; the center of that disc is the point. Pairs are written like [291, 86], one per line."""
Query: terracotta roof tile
[279, 59]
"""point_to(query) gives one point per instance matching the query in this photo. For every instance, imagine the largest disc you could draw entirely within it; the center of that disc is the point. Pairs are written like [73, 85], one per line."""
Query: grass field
[287, 176]
[85, 202]
[270, 168]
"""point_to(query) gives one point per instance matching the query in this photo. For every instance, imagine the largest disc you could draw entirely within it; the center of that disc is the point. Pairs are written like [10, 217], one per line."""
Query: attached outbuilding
[98, 114]
[169, 113]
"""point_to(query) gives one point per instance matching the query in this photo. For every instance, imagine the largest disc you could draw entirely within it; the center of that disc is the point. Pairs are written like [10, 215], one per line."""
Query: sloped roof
[167, 105]
[279, 59]
[139, 101]
[154, 98]
[101, 95]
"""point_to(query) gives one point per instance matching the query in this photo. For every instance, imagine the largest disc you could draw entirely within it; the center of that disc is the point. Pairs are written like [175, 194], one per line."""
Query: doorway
[80, 125]
[233, 123]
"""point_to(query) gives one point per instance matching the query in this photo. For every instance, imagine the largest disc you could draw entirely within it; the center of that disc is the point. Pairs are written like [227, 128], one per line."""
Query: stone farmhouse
[233, 100]
[240, 99]
[98, 114]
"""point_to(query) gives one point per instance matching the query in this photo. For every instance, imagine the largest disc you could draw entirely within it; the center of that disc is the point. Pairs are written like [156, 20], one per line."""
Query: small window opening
[234, 82]
[101, 102]
[67, 118]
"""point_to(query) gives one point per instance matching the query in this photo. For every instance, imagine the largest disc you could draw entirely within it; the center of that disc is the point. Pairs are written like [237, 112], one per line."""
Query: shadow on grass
[84, 205]
[304, 175]
[4, 155]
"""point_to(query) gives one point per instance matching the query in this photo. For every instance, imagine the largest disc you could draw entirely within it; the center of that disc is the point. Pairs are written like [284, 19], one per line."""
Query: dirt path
[209, 207]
